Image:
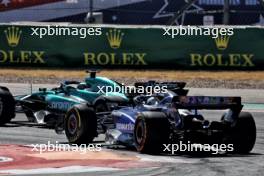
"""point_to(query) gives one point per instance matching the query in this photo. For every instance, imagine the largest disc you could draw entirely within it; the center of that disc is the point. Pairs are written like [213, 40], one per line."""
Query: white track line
[70, 169]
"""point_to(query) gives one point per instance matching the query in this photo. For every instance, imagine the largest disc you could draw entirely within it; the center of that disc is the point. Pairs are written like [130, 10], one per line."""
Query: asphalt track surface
[20, 132]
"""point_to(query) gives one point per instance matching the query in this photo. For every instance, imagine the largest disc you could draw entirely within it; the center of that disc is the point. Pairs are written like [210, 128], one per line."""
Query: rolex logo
[13, 35]
[115, 38]
[222, 42]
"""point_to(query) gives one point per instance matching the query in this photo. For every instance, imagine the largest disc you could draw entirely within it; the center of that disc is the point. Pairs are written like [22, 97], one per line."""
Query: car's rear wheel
[151, 132]
[7, 106]
[243, 134]
[80, 125]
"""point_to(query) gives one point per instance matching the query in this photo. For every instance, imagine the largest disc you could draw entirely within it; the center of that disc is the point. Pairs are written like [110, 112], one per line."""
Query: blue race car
[165, 119]
[83, 123]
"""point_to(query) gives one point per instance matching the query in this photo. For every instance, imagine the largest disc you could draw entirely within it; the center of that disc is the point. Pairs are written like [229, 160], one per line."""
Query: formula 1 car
[165, 118]
[50, 106]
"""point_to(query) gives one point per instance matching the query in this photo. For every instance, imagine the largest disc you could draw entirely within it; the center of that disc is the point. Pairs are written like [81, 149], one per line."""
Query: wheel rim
[140, 132]
[1, 106]
[72, 124]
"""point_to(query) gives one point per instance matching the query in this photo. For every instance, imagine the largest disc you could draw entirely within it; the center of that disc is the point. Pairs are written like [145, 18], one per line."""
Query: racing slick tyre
[151, 132]
[243, 134]
[7, 106]
[80, 125]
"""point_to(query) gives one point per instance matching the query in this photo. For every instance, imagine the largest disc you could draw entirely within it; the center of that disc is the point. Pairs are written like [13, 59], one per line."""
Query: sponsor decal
[207, 100]
[223, 58]
[231, 2]
[13, 37]
[115, 39]
[125, 126]
[61, 105]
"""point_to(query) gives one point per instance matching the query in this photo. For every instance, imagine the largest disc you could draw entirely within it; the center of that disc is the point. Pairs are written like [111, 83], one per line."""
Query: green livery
[50, 106]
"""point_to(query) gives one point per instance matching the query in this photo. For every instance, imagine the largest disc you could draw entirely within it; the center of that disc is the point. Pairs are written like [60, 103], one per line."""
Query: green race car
[50, 106]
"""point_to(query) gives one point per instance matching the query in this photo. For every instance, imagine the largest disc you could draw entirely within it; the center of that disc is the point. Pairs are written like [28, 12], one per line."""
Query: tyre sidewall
[155, 134]
[86, 125]
[140, 121]
[8, 106]
[243, 134]
[80, 126]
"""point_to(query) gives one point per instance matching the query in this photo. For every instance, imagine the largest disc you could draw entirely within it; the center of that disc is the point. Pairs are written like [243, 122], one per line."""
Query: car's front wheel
[80, 125]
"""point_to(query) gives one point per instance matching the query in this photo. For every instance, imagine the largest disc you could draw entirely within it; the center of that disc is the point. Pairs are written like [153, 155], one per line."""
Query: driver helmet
[152, 101]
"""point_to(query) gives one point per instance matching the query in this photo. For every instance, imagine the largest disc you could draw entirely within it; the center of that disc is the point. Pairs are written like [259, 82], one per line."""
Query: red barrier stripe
[6, 5]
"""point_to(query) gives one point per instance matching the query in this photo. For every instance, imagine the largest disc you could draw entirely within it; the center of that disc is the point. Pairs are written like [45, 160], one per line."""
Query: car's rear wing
[207, 102]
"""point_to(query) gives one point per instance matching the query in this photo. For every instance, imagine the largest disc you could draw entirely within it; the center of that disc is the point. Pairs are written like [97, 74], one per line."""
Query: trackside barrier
[129, 47]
